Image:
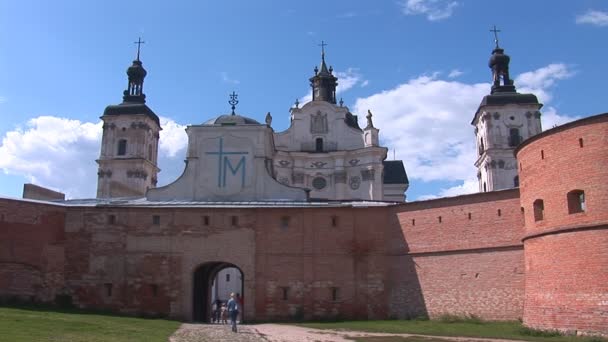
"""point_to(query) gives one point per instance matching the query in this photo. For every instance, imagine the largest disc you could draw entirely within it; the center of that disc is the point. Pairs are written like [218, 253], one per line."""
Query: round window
[319, 183]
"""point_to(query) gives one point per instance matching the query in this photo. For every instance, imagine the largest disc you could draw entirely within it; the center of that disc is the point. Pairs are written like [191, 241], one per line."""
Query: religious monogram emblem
[354, 182]
[318, 123]
[224, 165]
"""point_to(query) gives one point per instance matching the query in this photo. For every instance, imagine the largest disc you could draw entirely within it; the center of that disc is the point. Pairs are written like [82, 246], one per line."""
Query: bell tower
[129, 144]
[503, 120]
[324, 83]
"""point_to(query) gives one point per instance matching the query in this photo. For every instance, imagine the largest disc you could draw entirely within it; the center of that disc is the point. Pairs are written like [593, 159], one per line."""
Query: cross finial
[139, 42]
[323, 45]
[495, 30]
[233, 101]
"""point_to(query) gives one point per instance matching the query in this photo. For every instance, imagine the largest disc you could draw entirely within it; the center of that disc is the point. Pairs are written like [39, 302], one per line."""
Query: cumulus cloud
[426, 120]
[542, 80]
[468, 186]
[60, 153]
[593, 17]
[434, 10]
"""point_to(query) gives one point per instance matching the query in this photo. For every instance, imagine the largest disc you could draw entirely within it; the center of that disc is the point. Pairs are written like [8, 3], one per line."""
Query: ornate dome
[229, 120]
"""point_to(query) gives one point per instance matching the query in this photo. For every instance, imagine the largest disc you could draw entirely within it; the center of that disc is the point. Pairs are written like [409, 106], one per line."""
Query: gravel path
[286, 333]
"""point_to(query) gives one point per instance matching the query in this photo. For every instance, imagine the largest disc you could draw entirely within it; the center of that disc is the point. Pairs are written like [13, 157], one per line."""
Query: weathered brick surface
[31, 250]
[462, 255]
[469, 263]
[566, 255]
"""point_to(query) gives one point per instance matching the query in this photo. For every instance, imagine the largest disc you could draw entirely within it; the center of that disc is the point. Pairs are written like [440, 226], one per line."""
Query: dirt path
[286, 333]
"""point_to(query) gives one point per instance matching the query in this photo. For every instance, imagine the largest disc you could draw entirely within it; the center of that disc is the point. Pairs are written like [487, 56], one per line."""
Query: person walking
[233, 310]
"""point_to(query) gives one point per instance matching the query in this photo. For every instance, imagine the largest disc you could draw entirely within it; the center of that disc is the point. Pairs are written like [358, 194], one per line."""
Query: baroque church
[314, 220]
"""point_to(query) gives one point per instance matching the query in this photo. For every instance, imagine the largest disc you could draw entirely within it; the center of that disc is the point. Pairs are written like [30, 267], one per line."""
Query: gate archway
[203, 279]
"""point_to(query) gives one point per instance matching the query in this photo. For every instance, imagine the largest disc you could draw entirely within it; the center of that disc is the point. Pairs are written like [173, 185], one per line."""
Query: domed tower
[129, 144]
[504, 119]
[324, 83]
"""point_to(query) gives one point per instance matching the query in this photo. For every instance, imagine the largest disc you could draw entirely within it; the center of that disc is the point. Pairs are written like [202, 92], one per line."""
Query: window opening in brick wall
[234, 220]
[108, 288]
[335, 293]
[469, 216]
[155, 219]
[520, 167]
[334, 221]
[122, 147]
[580, 142]
[576, 201]
[499, 212]
[154, 289]
[542, 154]
[111, 219]
[206, 220]
[413, 222]
[539, 210]
[285, 293]
[284, 222]
[439, 218]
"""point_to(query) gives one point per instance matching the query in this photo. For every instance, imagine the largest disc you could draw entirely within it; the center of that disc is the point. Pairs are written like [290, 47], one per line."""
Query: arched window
[122, 147]
[576, 201]
[514, 137]
[319, 145]
[516, 182]
[539, 210]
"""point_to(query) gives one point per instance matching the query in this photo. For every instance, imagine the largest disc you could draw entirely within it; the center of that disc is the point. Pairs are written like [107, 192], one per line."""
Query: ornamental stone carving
[318, 123]
[354, 182]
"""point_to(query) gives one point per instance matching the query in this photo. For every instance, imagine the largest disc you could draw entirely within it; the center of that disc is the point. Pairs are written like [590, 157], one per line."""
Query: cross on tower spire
[139, 42]
[233, 101]
[323, 45]
[495, 30]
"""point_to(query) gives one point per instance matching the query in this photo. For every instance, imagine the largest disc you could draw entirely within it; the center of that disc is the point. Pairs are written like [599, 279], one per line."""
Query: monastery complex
[315, 220]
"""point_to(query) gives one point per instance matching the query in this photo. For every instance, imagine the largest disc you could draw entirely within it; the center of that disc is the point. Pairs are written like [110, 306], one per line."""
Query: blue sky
[419, 65]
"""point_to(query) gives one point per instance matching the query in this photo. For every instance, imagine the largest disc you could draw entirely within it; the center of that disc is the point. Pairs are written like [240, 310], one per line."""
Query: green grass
[450, 326]
[40, 324]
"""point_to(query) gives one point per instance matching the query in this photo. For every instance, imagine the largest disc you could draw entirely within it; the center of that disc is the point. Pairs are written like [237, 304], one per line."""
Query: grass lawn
[464, 328]
[37, 324]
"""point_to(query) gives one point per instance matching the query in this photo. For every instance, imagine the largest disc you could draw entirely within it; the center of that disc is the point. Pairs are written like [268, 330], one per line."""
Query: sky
[420, 66]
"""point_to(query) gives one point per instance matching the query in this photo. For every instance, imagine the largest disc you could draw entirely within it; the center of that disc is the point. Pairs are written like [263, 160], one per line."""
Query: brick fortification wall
[31, 250]
[460, 255]
[566, 238]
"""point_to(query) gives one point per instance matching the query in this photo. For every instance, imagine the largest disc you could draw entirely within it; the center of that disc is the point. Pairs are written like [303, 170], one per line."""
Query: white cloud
[455, 73]
[468, 186]
[550, 118]
[173, 137]
[427, 121]
[540, 81]
[60, 153]
[434, 10]
[593, 17]
[227, 79]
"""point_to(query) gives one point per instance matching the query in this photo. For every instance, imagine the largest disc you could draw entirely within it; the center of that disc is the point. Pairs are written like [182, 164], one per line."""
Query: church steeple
[136, 74]
[499, 63]
[324, 83]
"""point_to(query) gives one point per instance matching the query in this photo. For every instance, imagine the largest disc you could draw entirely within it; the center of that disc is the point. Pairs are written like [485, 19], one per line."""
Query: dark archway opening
[203, 280]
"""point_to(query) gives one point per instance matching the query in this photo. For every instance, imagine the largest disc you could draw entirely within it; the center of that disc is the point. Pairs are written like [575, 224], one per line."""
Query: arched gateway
[203, 279]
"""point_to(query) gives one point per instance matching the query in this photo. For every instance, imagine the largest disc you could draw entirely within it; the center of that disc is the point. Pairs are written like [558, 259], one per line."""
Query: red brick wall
[567, 254]
[461, 265]
[31, 249]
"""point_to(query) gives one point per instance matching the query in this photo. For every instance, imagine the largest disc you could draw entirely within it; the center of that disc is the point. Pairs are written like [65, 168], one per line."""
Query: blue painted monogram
[224, 165]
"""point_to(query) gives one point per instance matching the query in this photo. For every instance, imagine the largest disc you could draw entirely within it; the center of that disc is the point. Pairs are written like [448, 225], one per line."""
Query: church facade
[315, 221]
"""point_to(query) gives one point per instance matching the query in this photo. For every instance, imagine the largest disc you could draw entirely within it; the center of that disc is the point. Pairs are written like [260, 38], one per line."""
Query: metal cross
[323, 45]
[233, 101]
[139, 42]
[495, 35]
